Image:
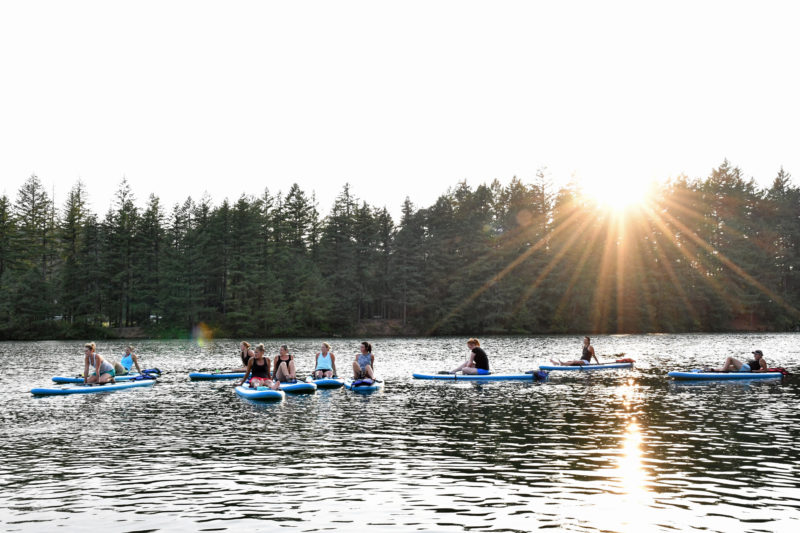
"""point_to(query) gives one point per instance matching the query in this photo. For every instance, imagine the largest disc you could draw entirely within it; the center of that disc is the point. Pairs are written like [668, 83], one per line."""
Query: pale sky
[398, 98]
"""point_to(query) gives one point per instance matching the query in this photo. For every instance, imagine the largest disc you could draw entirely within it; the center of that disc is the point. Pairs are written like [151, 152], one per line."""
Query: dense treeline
[701, 255]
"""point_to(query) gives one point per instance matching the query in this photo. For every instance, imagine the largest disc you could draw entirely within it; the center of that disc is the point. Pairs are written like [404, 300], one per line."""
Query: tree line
[711, 254]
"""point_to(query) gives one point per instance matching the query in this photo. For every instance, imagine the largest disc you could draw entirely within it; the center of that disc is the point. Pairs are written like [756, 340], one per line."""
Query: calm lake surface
[621, 450]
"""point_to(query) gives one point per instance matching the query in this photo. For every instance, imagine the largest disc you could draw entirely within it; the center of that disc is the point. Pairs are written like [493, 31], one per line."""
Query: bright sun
[618, 193]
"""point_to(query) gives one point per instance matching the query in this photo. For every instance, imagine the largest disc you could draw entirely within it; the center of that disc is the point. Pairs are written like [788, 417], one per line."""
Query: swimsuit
[279, 362]
[364, 360]
[260, 370]
[127, 362]
[587, 355]
[105, 367]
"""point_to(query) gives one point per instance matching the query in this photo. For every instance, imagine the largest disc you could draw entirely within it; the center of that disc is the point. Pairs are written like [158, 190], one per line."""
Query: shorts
[745, 368]
[112, 372]
[482, 372]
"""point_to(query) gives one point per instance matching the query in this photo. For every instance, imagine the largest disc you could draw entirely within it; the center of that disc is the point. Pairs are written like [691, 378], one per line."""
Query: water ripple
[623, 450]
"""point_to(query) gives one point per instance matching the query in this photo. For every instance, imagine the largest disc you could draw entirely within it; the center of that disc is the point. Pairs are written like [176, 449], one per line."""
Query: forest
[699, 255]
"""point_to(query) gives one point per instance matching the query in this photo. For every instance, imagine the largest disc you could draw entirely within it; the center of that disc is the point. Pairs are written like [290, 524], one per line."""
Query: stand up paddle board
[604, 366]
[699, 375]
[92, 388]
[263, 394]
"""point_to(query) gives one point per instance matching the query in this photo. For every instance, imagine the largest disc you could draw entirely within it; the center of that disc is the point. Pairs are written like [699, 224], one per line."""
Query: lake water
[622, 450]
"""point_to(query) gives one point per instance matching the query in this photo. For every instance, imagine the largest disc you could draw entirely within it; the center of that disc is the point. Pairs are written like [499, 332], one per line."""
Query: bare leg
[328, 374]
[105, 378]
[556, 362]
[459, 368]
[281, 374]
[356, 371]
[730, 364]
[292, 374]
[574, 362]
[91, 379]
[469, 370]
[368, 372]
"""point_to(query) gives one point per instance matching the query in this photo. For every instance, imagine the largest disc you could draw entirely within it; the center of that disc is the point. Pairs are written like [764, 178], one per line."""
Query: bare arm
[591, 351]
[333, 363]
[136, 362]
[85, 368]
[246, 372]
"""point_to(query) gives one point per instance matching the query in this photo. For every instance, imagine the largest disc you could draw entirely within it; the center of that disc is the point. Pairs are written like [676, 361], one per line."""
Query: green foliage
[701, 255]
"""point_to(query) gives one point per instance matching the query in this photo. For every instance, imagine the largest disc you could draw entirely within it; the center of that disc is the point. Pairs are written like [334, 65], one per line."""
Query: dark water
[620, 450]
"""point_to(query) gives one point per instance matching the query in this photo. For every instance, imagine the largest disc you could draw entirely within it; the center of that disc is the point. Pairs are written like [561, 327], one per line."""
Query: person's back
[481, 359]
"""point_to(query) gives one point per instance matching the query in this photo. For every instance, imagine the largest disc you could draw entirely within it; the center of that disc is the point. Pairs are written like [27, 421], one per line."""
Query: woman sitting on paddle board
[103, 370]
[124, 366]
[258, 371]
[284, 366]
[325, 363]
[364, 363]
[246, 354]
[477, 362]
[757, 364]
[586, 356]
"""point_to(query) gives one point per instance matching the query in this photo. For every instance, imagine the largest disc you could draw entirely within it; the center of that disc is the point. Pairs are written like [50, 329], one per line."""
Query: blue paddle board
[126, 377]
[196, 376]
[605, 366]
[299, 388]
[327, 383]
[485, 377]
[699, 374]
[356, 387]
[263, 394]
[89, 389]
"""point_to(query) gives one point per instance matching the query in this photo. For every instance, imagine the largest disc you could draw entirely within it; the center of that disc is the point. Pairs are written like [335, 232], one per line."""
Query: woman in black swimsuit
[258, 371]
[246, 354]
[284, 366]
[757, 364]
[586, 356]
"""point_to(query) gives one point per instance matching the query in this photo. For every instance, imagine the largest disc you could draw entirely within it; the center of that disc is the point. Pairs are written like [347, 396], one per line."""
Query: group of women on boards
[477, 362]
[104, 370]
[261, 372]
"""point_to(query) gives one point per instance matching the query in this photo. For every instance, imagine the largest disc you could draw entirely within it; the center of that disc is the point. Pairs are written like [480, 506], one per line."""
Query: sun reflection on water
[635, 498]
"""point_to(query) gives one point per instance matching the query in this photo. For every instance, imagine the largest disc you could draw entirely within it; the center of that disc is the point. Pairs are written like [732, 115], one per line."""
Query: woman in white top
[103, 370]
[325, 363]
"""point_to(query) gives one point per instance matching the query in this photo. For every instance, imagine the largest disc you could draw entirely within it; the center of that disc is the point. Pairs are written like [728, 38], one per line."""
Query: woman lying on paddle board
[284, 366]
[477, 362]
[103, 370]
[364, 363]
[586, 356]
[757, 364]
[127, 362]
[258, 371]
[325, 363]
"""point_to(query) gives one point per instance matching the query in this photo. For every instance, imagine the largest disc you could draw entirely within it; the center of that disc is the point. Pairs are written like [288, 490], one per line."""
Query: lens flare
[201, 334]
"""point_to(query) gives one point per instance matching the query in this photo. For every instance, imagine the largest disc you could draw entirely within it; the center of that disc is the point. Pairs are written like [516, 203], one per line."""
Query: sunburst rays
[638, 250]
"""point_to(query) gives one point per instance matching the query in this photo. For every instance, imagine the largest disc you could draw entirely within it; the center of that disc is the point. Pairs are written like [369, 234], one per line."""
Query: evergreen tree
[71, 234]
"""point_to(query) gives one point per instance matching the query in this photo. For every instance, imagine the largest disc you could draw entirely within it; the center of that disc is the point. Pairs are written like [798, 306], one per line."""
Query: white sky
[397, 98]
